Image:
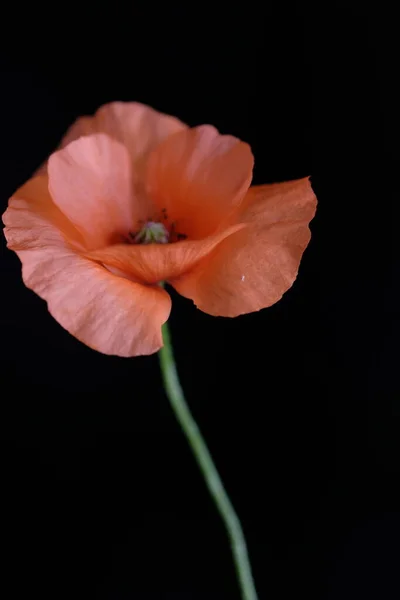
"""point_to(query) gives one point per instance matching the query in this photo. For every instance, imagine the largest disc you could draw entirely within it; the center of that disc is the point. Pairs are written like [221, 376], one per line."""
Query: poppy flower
[133, 198]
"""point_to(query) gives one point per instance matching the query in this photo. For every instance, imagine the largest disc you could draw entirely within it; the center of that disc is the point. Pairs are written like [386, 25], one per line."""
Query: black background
[299, 403]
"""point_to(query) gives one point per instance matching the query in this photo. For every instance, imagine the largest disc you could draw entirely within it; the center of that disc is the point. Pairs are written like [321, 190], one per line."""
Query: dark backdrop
[299, 403]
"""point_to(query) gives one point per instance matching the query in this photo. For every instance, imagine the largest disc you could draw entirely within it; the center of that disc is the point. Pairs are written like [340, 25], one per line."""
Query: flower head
[134, 198]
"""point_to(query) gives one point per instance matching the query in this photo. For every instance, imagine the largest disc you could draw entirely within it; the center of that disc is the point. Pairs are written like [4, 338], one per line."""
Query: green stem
[203, 457]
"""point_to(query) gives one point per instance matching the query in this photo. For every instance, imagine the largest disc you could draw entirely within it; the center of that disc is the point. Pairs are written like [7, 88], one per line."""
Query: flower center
[154, 231]
[151, 233]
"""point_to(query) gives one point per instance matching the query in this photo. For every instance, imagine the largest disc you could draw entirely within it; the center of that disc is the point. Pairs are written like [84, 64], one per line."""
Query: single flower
[134, 198]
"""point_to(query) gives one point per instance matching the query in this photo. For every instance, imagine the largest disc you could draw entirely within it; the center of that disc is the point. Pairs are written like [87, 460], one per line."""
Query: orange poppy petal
[106, 312]
[89, 181]
[253, 268]
[139, 127]
[32, 219]
[152, 263]
[82, 126]
[199, 176]
[276, 202]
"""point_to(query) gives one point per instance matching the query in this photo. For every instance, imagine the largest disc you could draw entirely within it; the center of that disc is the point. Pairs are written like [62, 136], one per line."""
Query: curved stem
[203, 457]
